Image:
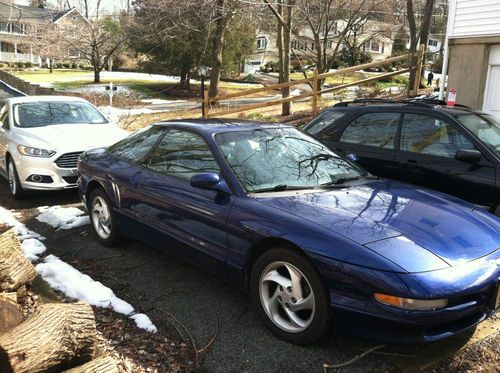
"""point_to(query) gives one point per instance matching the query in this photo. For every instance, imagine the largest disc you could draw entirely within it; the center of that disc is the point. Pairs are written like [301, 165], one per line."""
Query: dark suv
[453, 150]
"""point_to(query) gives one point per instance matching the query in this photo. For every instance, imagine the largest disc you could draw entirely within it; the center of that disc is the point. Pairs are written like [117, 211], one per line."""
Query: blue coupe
[316, 240]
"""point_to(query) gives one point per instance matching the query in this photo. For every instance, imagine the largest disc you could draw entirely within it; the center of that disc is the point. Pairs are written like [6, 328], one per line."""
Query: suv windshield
[282, 158]
[485, 127]
[39, 114]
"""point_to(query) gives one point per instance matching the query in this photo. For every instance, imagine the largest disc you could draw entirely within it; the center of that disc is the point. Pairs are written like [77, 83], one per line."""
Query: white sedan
[41, 138]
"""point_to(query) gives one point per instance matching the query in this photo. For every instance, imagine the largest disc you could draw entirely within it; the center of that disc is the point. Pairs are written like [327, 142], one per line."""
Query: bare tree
[284, 11]
[419, 23]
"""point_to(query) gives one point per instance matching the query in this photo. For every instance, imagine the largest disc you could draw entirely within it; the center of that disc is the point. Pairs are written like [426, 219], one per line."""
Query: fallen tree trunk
[55, 337]
[15, 269]
[10, 313]
[99, 365]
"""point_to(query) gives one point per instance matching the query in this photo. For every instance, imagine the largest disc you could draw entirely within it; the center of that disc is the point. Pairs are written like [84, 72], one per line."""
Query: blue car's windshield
[282, 158]
[485, 127]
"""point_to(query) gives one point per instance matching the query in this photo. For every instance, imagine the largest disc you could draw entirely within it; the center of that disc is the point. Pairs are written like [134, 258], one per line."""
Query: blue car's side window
[430, 135]
[182, 154]
[136, 147]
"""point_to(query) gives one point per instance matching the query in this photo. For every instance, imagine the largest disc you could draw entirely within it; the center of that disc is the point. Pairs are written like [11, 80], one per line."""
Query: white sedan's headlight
[411, 304]
[35, 152]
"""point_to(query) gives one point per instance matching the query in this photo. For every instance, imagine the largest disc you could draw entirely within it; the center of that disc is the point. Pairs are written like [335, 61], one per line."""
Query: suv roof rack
[425, 102]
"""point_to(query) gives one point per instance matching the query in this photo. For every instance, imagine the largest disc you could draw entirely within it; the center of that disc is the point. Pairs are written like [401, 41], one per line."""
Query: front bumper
[471, 289]
[54, 177]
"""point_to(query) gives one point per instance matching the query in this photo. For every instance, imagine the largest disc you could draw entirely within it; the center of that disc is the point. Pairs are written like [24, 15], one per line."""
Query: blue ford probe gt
[317, 241]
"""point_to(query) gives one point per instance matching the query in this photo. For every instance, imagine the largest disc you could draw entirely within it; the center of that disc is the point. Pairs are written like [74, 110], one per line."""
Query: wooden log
[54, 338]
[10, 313]
[15, 269]
[105, 364]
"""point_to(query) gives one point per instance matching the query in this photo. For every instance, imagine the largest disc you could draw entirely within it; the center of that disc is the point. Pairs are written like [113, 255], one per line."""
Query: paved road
[156, 283]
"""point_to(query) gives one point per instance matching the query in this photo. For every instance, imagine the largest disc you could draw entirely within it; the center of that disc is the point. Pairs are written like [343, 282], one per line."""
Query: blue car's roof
[210, 126]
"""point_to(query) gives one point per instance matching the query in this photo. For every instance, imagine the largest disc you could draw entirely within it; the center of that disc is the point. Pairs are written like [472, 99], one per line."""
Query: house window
[329, 44]
[433, 43]
[73, 53]
[261, 42]
[374, 46]
[294, 44]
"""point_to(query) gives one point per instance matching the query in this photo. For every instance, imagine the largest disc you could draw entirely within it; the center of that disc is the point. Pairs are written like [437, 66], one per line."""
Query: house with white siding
[474, 53]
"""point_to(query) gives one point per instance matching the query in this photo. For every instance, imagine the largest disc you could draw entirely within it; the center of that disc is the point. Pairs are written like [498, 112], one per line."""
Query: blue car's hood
[378, 210]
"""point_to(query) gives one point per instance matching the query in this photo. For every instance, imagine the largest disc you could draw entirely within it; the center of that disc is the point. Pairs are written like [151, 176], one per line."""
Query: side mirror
[210, 181]
[468, 156]
[352, 157]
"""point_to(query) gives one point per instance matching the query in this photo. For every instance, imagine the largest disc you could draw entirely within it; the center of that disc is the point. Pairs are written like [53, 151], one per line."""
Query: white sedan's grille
[68, 160]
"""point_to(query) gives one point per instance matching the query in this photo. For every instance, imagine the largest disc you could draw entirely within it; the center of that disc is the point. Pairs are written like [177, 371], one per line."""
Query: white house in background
[434, 45]
[474, 53]
[375, 38]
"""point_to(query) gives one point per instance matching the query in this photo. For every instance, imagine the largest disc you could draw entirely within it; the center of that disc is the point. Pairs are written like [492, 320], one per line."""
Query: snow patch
[63, 217]
[144, 322]
[76, 285]
[32, 248]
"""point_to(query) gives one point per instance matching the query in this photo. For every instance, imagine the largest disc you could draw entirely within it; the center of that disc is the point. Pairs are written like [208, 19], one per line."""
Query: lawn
[145, 84]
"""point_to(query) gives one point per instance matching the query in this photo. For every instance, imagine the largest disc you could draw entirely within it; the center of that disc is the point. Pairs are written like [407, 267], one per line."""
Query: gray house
[474, 53]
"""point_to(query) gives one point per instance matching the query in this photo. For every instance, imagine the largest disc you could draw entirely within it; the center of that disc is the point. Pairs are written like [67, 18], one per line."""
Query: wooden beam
[363, 66]
[342, 86]
[258, 105]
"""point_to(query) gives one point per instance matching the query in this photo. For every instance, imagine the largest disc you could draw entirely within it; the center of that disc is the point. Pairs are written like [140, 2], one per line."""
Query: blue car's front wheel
[290, 296]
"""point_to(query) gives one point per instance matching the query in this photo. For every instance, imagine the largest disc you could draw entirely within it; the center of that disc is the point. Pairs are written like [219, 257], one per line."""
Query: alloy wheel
[101, 217]
[12, 178]
[287, 297]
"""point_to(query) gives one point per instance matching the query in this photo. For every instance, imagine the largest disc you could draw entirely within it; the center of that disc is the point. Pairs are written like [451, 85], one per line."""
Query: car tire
[296, 311]
[16, 190]
[103, 218]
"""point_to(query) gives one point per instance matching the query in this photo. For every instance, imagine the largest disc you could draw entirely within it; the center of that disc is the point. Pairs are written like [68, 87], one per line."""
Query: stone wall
[24, 86]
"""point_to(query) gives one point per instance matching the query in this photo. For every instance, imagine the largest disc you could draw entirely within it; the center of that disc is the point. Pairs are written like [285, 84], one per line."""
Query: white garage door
[492, 94]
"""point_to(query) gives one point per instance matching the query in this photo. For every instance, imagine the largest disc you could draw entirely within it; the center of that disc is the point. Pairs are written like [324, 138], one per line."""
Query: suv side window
[430, 135]
[323, 121]
[373, 129]
[183, 154]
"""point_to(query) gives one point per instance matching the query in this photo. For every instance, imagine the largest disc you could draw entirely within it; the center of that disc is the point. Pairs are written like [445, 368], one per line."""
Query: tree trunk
[287, 32]
[104, 364]
[55, 337]
[218, 45]
[15, 269]
[185, 75]
[97, 75]
[279, 44]
[51, 65]
[10, 313]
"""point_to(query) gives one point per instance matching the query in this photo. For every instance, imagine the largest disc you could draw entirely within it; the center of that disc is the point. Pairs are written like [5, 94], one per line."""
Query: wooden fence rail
[315, 80]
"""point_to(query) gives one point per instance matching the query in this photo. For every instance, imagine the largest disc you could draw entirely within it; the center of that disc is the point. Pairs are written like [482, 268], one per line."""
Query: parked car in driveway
[453, 150]
[315, 238]
[41, 138]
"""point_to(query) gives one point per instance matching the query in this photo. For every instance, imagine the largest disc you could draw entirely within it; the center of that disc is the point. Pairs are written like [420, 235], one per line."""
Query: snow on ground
[32, 248]
[115, 115]
[62, 276]
[62, 217]
[159, 101]
[76, 285]
[30, 241]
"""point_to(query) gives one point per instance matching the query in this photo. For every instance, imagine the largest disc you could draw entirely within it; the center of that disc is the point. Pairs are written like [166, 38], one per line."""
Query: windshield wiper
[339, 182]
[281, 188]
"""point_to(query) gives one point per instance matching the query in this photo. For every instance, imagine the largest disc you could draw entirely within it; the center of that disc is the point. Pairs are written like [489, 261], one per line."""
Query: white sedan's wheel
[14, 185]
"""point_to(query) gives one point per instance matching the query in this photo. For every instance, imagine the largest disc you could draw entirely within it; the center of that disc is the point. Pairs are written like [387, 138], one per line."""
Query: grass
[69, 79]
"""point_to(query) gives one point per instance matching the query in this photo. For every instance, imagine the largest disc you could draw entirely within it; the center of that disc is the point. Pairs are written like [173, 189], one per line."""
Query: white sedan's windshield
[39, 114]
[485, 127]
[282, 158]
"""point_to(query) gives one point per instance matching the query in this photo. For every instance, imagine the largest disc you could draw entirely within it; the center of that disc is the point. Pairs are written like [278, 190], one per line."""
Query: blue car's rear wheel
[103, 218]
[290, 296]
